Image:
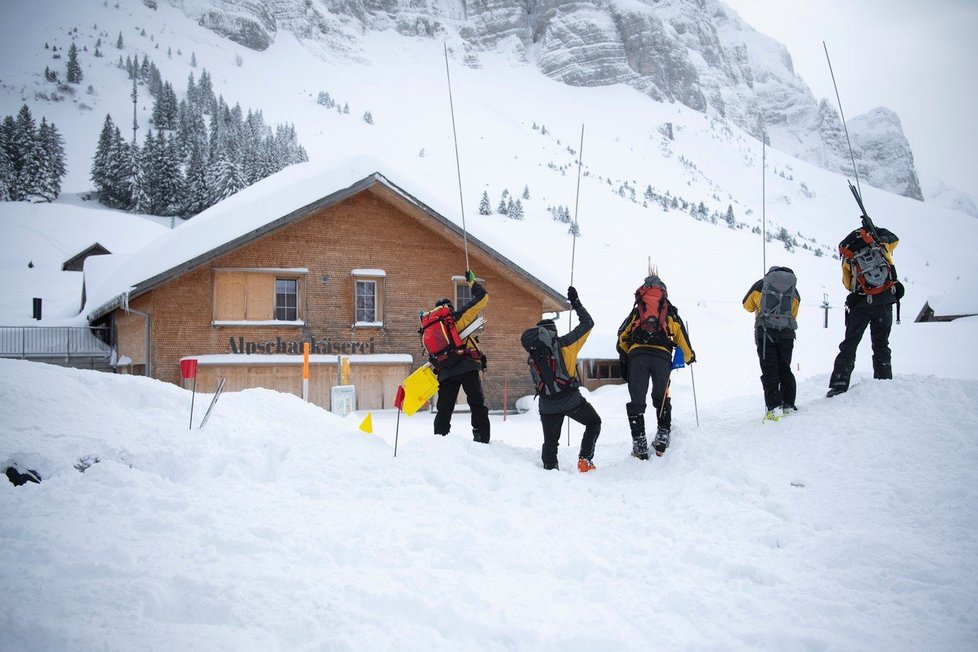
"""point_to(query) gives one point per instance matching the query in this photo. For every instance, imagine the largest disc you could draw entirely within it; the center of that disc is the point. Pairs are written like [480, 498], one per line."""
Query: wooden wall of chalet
[366, 231]
[376, 384]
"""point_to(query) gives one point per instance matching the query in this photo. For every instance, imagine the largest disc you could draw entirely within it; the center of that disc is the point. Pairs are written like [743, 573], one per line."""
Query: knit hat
[548, 324]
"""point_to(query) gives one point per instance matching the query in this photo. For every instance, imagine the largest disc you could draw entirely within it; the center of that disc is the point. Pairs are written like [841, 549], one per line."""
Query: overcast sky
[918, 58]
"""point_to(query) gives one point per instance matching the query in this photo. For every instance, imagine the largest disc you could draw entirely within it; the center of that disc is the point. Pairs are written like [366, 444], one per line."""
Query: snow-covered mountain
[695, 52]
[654, 168]
[941, 194]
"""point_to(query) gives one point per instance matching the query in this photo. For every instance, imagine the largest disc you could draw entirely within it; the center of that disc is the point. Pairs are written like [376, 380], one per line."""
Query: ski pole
[397, 428]
[458, 165]
[577, 198]
[857, 191]
[764, 202]
[662, 405]
[843, 117]
[692, 378]
[677, 363]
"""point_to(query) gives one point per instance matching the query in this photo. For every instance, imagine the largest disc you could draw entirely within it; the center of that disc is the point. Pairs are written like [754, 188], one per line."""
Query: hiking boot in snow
[661, 441]
[788, 409]
[584, 465]
[640, 447]
[774, 414]
[835, 391]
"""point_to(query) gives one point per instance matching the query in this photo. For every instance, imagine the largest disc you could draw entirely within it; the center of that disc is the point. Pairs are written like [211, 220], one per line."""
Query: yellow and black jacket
[677, 335]
[569, 346]
[473, 360]
[887, 240]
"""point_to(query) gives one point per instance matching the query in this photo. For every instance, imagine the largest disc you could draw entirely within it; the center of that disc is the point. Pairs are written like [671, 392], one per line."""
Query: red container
[188, 368]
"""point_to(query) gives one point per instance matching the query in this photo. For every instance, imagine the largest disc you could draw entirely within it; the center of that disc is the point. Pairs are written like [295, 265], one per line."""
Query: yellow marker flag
[367, 425]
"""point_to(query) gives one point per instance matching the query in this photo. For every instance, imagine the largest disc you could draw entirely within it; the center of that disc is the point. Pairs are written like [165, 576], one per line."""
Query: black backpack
[777, 296]
[550, 376]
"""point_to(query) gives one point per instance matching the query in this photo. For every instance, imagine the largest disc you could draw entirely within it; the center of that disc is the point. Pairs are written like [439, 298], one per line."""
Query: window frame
[457, 283]
[245, 278]
[377, 278]
[286, 308]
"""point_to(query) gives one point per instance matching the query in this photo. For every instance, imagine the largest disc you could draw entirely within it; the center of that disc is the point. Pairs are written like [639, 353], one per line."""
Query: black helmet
[445, 302]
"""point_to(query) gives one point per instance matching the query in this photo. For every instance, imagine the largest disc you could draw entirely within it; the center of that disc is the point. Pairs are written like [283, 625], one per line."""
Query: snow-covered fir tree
[484, 207]
[324, 99]
[52, 169]
[368, 117]
[202, 162]
[24, 156]
[503, 207]
[101, 161]
[6, 170]
[73, 71]
[225, 177]
[515, 209]
[789, 242]
[33, 158]
[139, 200]
[205, 93]
[161, 171]
[165, 108]
[526, 192]
[197, 195]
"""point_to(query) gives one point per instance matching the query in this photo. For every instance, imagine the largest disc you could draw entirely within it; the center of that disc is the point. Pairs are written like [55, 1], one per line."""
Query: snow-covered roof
[94, 249]
[263, 207]
[961, 298]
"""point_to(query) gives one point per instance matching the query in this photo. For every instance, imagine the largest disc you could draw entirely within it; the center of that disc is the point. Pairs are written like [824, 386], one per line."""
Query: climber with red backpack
[645, 346]
[553, 367]
[457, 361]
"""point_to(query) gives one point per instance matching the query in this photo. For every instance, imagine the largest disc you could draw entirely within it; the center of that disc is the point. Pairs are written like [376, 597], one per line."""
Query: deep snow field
[849, 526]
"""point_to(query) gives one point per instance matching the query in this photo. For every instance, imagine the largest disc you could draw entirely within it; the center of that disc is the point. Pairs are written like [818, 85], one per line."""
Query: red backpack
[652, 307]
[440, 337]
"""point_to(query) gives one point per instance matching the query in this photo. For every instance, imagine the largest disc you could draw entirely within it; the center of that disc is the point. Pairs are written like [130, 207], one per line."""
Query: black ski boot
[640, 447]
[661, 441]
[839, 381]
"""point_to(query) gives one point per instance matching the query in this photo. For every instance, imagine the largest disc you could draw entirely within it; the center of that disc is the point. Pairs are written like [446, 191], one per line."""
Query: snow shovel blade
[419, 387]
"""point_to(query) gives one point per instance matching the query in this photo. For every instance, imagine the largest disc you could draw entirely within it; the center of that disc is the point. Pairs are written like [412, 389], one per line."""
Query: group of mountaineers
[652, 341]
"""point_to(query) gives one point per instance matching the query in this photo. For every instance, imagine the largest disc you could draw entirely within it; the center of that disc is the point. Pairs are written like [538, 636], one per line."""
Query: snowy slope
[280, 526]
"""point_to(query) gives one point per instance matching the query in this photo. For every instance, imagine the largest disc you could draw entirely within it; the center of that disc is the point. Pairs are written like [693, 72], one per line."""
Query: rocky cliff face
[697, 52]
